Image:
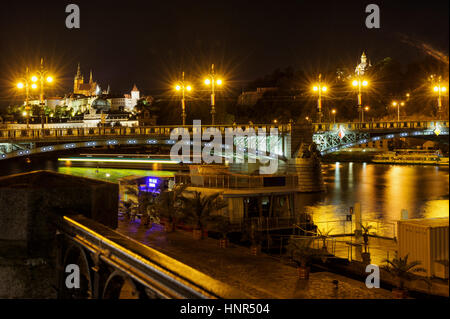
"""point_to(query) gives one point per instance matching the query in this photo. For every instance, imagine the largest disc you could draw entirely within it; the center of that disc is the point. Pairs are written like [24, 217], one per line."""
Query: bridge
[328, 137]
[24, 142]
[332, 137]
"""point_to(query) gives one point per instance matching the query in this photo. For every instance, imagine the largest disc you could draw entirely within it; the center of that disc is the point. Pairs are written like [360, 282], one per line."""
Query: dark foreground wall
[30, 204]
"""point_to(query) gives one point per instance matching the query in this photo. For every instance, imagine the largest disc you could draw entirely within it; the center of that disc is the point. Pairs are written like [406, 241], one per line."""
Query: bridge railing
[48, 132]
[383, 125]
[149, 267]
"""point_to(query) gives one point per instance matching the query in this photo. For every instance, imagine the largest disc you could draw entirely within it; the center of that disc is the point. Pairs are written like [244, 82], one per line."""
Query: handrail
[171, 278]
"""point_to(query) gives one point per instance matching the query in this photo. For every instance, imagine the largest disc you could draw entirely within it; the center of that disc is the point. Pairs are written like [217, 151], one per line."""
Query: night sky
[150, 42]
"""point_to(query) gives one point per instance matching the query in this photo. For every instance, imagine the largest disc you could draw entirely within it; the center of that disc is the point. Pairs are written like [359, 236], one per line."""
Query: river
[382, 190]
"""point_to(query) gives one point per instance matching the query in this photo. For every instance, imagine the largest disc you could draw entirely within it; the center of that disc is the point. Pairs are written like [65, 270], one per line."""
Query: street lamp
[366, 109]
[398, 104]
[213, 81]
[360, 83]
[26, 84]
[183, 87]
[439, 89]
[333, 111]
[319, 88]
[42, 77]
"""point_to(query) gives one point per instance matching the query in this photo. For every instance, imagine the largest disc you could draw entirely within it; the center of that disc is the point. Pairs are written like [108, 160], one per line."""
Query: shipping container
[425, 240]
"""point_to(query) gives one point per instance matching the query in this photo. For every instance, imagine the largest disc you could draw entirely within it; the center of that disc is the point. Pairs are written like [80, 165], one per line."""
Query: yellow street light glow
[219, 82]
[34, 78]
[394, 103]
[20, 85]
[355, 83]
[324, 88]
[207, 81]
[315, 88]
[402, 104]
[178, 88]
[443, 89]
[366, 108]
[49, 79]
[24, 113]
[33, 86]
[436, 89]
[333, 111]
[188, 88]
[365, 83]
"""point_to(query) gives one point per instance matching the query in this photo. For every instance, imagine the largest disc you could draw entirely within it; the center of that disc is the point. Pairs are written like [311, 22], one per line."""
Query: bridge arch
[76, 255]
[120, 286]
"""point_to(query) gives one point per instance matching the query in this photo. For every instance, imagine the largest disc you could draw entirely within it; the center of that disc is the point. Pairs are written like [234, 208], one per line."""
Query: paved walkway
[260, 276]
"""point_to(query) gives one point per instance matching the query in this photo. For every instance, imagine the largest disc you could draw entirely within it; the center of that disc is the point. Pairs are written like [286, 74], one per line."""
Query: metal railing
[77, 131]
[382, 125]
[151, 268]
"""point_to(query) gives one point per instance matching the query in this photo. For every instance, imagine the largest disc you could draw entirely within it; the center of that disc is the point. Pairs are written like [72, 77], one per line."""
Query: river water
[382, 190]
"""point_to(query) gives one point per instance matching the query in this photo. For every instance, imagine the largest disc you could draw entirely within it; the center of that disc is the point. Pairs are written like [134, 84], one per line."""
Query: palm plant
[169, 204]
[365, 233]
[323, 235]
[403, 270]
[144, 204]
[300, 251]
[198, 208]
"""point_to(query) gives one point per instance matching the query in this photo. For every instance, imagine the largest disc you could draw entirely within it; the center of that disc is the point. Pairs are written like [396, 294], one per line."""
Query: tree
[403, 270]
[198, 208]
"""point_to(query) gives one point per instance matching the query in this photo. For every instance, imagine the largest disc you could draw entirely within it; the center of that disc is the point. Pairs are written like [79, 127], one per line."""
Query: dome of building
[100, 104]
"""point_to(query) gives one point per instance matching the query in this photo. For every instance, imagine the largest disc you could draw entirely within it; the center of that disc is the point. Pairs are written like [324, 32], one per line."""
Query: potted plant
[402, 270]
[255, 238]
[300, 251]
[365, 233]
[223, 226]
[126, 207]
[169, 206]
[323, 235]
[197, 209]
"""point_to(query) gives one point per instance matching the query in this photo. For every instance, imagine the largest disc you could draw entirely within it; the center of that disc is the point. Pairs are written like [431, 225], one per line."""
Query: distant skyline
[148, 43]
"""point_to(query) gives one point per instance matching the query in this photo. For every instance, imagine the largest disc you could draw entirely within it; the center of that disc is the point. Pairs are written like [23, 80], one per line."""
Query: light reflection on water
[382, 190]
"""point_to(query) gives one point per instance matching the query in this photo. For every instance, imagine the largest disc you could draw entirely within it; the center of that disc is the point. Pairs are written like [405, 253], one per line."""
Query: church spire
[78, 70]
[90, 78]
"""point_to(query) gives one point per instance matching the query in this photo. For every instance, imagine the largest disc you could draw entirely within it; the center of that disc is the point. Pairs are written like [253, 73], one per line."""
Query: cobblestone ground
[259, 276]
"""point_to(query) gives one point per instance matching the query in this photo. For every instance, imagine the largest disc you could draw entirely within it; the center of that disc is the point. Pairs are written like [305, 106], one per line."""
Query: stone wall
[30, 204]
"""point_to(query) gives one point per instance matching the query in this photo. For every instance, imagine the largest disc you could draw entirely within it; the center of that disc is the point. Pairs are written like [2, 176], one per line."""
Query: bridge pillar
[305, 157]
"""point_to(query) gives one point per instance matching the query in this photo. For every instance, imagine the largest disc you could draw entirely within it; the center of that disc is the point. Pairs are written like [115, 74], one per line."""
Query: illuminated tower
[78, 80]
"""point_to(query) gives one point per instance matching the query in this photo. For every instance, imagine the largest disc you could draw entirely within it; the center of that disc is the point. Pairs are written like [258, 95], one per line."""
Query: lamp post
[213, 81]
[183, 87]
[360, 83]
[319, 88]
[398, 104]
[333, 111]
[41, 77]
[366, 109]
[26, 84]
[439, 89]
